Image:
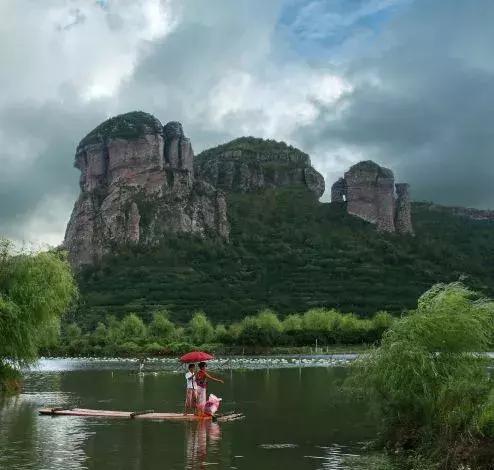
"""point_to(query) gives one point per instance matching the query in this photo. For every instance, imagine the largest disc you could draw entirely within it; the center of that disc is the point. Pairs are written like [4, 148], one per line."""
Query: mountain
[251, 164]
[137, 186]
[270, 244]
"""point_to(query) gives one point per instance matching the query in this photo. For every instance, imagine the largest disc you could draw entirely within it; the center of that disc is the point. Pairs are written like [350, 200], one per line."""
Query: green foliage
[100, 335]
[154, 349]
[162, 337]
[264, 330]
[200, 328]
[486, 418]
[161, 328]
[35, 290]
[129, 348]
[221, 333]
[124, 126]
[10, 379]
[132, 329]
[255, 146]
[430, 384]
[290, 253]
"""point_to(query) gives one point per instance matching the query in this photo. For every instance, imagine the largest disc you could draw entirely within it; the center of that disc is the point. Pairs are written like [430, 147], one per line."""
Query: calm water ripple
[296, 417]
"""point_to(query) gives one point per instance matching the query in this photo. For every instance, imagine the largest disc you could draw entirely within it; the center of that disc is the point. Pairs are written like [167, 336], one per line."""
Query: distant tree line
[132, 336]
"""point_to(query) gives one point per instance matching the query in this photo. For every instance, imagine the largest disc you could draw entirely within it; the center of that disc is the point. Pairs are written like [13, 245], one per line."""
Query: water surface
[296, 417]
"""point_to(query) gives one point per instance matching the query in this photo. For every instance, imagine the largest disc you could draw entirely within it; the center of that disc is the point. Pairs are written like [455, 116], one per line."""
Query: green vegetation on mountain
[255, 146]
[124, 126]
[290, 253]
[35, 290]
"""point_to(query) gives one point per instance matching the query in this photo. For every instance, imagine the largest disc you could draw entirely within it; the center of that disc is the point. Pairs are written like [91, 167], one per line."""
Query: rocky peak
[249, 164]
[137, 185]
[369, 192]
[173, 129]
[126, 126]
[178, 151]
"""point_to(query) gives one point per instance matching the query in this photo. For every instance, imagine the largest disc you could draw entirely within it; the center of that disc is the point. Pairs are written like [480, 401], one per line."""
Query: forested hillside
[290, 253]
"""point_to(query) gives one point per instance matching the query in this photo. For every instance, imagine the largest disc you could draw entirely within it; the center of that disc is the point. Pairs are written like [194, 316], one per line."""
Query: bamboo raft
[146, 414]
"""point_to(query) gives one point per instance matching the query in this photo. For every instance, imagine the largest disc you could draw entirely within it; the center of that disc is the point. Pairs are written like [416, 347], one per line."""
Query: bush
[132, 329]
[129, 349]
[161, 328]
[179, 349]
[155, 349]
[200, 328]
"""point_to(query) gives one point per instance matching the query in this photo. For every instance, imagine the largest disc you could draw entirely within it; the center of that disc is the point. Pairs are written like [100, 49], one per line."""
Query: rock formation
[137, 186]
[338, 191]
[403, 214]
[369, 192]
[250, 164]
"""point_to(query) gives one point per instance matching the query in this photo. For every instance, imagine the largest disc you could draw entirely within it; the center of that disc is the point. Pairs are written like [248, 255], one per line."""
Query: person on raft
[202, 382]
[191, 392]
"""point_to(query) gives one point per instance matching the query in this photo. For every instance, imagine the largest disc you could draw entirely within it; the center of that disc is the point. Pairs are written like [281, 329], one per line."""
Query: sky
[406, 83]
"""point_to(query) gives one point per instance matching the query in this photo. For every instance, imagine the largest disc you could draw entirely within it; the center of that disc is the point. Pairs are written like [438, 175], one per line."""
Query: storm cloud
[406, 83]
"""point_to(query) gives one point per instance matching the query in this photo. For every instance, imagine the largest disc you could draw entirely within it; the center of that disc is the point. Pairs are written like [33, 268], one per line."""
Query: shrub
[99, 336]
[161, 328]
[129, 348]
[155, 349]
[200, 328]
[132, 329]
[178, 349]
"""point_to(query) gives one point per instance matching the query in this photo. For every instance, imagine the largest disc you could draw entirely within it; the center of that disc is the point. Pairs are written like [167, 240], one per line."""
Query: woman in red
[202, 382]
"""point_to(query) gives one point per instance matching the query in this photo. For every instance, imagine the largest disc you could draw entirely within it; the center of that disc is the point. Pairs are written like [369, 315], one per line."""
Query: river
[297, 417]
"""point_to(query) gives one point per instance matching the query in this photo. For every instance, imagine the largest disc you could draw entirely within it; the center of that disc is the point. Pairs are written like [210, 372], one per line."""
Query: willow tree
[430, 381]
[35, 290]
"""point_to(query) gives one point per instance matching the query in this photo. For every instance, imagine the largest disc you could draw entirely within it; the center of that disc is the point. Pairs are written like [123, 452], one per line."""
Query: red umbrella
[196, 356]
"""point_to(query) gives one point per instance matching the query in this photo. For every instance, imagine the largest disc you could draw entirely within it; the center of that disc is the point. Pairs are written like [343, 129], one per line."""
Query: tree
[100, 335]
[35, 290]
[132, 329]
[200, 329]
[432, 388]
[292, 324]
[161, 329]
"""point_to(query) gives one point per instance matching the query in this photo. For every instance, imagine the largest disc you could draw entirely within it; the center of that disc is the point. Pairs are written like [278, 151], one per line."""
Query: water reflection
[297, 419]
[55, 443]
[201, 439]
[335, 457]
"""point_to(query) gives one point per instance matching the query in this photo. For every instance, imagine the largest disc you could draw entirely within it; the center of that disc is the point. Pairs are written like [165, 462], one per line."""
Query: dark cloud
[422, 89]
[423, 103]
[46, 178]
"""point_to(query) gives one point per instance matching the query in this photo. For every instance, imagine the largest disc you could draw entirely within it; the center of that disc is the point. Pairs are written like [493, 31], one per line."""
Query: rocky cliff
[250, 164]
[137, 185]
[369, 192]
